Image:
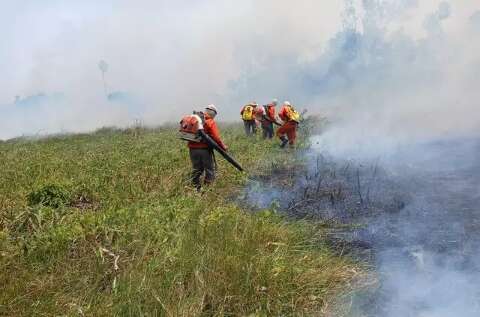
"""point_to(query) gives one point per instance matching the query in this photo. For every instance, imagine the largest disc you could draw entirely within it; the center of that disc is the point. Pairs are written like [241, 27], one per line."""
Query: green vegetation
[107, 224]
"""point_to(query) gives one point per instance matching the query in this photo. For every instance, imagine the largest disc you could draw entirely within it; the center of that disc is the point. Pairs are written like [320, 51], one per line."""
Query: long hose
[217, 148]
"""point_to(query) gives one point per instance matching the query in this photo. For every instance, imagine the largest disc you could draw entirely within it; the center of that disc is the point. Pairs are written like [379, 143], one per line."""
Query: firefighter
[267, 119]
[201, 155]
[248, 117]
[288, 131]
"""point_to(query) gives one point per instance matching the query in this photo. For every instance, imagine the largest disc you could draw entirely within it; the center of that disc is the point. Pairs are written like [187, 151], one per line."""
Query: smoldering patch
[411, 214]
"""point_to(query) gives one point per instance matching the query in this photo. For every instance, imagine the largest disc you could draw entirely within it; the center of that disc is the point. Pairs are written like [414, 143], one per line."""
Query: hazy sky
[175, 56]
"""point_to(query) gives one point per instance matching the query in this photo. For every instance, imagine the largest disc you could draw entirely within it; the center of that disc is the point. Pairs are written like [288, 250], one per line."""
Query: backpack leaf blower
[191, 129]
[217, 148]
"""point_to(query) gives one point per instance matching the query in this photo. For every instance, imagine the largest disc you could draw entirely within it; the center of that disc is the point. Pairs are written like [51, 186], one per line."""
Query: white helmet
[254, 103]
[274, 101]
[211, 107]
[287, 103]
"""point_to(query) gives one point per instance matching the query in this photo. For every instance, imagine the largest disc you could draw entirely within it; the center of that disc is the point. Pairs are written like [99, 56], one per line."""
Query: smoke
[400, 63]
[433, 270]
[376, 80]
[175, 57]
[400, 90]
[413, 215]
[387, 88]
[401, 98]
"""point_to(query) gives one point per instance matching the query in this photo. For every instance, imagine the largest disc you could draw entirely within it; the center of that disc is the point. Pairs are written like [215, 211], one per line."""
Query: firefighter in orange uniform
[267, 119]
[201, 154]
[288, 131]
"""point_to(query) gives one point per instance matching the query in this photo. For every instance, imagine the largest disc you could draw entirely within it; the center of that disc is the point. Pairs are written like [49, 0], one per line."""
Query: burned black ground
[413, 214]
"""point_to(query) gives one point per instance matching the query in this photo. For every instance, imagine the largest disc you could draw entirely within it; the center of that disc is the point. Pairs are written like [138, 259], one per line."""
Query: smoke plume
[399, 88]
[408, 67]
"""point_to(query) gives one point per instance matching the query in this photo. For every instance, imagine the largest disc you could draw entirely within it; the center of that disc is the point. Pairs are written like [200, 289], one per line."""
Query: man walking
[201, 154]
[267, 119]
[248, 117]
[288, 131]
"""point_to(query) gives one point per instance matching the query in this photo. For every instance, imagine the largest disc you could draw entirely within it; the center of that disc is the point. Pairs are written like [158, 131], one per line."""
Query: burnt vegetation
[328, 190]
[413, 217]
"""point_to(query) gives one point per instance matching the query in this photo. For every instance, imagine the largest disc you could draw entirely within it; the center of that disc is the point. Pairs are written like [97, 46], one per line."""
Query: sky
[409, 61]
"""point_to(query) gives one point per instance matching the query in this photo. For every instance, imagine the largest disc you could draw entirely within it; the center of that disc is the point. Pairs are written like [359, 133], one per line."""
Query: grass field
[106, 224]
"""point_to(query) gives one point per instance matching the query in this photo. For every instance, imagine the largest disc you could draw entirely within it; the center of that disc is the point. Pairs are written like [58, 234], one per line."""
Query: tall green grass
[108, 224]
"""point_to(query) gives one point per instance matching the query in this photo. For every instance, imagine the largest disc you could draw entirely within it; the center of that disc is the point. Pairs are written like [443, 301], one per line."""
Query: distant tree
[103, 66]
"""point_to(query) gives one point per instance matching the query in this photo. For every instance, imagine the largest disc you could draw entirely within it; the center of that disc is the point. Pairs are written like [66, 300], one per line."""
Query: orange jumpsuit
[203, 160]
[289, 128]
[270, 114]
[267, 120]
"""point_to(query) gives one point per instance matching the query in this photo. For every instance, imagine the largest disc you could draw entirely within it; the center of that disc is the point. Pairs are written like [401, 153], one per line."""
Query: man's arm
[215, 134]
[274, 120]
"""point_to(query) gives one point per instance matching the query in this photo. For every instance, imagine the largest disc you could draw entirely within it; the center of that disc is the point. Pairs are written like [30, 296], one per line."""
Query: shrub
[50, 195]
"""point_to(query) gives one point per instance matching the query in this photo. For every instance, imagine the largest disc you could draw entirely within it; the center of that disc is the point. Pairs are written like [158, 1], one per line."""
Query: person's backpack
[267, 116]
[292, 114]
[248, 113]
[190, 126]
[260, 113]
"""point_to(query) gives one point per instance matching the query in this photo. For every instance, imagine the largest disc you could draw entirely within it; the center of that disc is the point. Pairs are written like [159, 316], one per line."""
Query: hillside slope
[107, 224]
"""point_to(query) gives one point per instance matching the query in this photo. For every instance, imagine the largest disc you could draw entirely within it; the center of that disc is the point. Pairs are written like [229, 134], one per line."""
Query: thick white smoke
[393, 82]
[399, 63]
[389, 93]
[174, 56]
[383, 87]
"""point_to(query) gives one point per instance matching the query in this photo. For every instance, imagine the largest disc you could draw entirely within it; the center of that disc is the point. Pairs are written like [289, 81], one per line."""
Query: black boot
[284, 141]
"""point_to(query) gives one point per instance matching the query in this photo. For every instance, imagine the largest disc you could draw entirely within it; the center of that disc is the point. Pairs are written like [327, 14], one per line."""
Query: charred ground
[412, 214]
